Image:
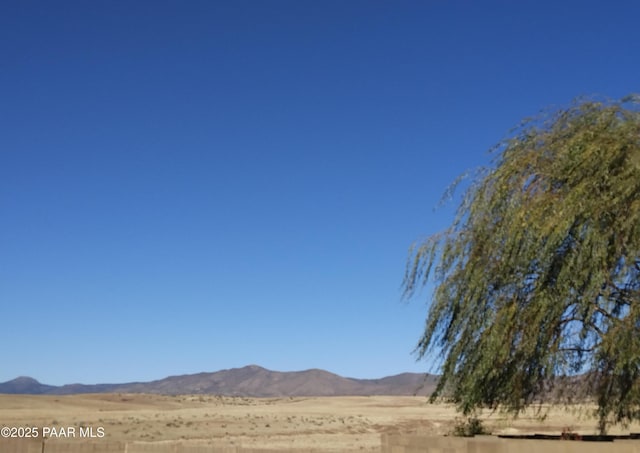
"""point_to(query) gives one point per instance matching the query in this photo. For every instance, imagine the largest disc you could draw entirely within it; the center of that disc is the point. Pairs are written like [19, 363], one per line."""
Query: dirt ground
[328, 423]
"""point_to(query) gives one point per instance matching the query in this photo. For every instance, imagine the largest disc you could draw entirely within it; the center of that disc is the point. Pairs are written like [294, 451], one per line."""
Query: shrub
[470, 427]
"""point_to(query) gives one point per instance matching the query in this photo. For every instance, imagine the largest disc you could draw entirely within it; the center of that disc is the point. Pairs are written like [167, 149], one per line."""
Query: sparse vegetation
[338, 424]
[469, 427]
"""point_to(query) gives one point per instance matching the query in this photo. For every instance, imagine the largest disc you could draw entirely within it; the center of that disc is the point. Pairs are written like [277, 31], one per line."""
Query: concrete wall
[179, 447]
[490, 444]
[100, 446]
[389, 444]
[83, 447]
[20, 445]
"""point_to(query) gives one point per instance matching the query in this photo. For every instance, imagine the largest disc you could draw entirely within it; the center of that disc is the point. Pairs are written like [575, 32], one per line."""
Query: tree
[537, 280]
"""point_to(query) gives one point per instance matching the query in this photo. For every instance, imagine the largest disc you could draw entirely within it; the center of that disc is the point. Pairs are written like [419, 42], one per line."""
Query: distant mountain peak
[24, 380]
[26, 385]
[253, 367]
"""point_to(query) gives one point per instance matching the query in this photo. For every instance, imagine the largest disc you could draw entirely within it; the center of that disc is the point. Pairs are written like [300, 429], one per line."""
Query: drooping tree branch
[538, 275]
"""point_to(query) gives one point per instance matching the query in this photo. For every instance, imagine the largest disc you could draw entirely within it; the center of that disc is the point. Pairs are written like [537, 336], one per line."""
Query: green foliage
[538, 277]
[469, 427]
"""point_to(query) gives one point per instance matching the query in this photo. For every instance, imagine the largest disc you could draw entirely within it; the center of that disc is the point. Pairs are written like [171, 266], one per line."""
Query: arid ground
[331, 423]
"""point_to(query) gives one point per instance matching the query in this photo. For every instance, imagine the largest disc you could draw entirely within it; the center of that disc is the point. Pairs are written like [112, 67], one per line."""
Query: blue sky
[190, 186]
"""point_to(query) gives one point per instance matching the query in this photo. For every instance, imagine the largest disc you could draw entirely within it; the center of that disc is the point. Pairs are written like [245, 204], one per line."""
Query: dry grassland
[327, 423]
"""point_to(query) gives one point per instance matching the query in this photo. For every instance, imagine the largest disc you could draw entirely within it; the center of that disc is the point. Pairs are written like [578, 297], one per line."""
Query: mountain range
[249, 381]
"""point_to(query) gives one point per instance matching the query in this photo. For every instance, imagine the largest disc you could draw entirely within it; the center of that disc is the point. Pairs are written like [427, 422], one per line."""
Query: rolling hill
[250, 381]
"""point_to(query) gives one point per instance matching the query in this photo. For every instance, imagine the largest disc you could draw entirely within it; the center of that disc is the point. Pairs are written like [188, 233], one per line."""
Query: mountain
[250, 380]
[27, 385]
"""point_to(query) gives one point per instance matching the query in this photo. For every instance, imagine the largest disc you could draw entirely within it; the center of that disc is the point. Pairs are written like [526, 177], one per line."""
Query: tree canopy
[537, 280]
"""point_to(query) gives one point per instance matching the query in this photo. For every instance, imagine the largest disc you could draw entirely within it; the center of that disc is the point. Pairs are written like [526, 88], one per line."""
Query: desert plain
[345, 424]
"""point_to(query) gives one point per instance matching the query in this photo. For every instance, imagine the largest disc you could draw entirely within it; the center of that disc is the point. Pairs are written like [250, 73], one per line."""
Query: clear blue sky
[190, 186]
